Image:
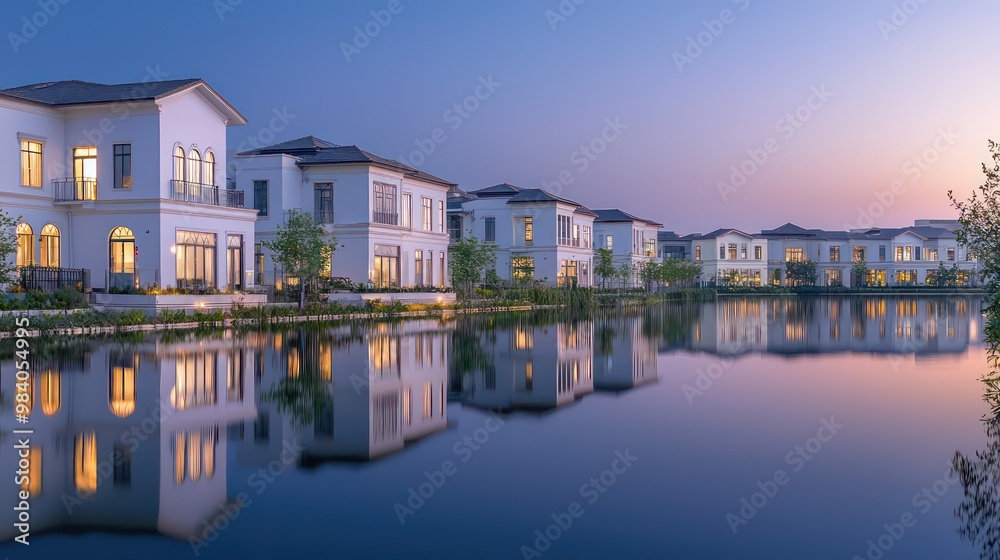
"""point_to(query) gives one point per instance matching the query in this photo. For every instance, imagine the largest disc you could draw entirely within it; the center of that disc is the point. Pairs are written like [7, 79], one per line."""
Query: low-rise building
[731, 256]
[632, 239]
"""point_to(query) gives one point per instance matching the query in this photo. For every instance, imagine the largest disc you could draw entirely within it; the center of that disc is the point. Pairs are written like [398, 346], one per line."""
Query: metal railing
[50, 279]
[128, 280]
[323, 217]
[73, 189]
[186, 191]
[387, 218]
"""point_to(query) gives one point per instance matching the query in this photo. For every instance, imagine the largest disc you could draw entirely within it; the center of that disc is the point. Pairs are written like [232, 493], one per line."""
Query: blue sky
[833, 99]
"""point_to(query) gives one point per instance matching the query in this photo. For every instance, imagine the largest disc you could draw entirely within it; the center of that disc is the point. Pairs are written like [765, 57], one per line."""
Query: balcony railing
[73, 189]
[186, 191]
[323, 216]
[387, 218]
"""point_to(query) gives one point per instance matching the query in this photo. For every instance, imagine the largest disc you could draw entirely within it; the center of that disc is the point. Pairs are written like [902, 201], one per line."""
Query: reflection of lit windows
[385, 423]
[428, 409]
[50, 389]
[194, 383]
[383, 354]
[235, 373]
[123, 465]
[529, 376]
[524, 339]
[85, 463]
[407, 406]
[325, 361]
[194, 454]
[121, 389]
[32, 483]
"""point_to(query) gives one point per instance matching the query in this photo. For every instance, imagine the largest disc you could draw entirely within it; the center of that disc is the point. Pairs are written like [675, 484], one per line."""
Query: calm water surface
[749, 428]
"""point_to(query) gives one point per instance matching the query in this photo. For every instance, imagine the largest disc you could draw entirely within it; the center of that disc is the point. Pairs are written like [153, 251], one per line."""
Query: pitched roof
[616, 215]
[503, 189]
[668, 236]
[314, 151]
[789, 229]
[722, 231]
[520, 195]
[75, 92]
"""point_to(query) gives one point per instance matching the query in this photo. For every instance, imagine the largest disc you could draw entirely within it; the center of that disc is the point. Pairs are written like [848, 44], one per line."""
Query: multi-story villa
[388, 218]
[673, 246]
[537, 234]
[631, 239]
[893, 256]
[731, 256]
[123, 181]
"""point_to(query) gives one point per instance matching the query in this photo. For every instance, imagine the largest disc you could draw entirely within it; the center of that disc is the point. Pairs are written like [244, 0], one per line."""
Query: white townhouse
[731, 255]
[632, 239]
[388, 218]
[673, 246]
[537, 235]
[893, 256]
[123, 181]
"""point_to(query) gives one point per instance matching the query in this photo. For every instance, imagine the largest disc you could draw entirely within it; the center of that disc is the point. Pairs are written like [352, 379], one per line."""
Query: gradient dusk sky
[897, 79]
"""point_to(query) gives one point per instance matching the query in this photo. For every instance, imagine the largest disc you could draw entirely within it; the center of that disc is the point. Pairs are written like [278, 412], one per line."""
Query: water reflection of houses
[127, 437]
[527, 364]
[803, 325]
[624, 351]
[345, 393]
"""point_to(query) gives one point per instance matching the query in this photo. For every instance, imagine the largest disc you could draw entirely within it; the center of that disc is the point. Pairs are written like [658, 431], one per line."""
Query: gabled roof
[520, 195]
[789, 229]
[723, 231]
[314, 151]
[616, 215]
[75, 92]
[669, 236]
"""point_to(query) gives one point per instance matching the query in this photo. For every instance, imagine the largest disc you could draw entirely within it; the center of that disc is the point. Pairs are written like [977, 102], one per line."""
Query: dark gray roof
[616, 215]
[668, 236]
[520, 195]
[503, 189]
[75, 92]
[314, 151]
[720, 232]
[789, 229]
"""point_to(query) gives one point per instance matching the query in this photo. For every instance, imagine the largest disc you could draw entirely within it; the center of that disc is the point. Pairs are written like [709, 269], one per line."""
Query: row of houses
[131, 185]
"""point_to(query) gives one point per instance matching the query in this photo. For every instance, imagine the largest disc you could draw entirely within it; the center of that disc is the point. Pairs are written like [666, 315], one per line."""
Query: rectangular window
[609, 243]
[951, 253]
[529, 230]
[85, 173]
[793, 254]
[565, 224]
[567, 273]
[833, 278]
[930, 254]
[260, 198]
[743, 251]
[323, 203]
[441, 216]
[758, 252]
[585, 242]
[732, 251]
[430, 268]
[835, 254]
[425, 214]
[418, 268]
[407, 210]
[697, 252]
[722, 252]
[427, 408]
[384, 204]
[123, 166]
[31, 163]
[522, 268]
[899, 254]
[881, 252]
[258, 263]
[444, 270]
[491, 229]
[649, 248]
[195, 259]
[455, 227]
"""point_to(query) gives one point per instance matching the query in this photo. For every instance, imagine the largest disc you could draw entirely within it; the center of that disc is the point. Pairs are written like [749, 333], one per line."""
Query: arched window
[178, 163]
[25, 245]
[208, 176]
[50, 246]
[51, 392]
[122, 245]
[194, 167]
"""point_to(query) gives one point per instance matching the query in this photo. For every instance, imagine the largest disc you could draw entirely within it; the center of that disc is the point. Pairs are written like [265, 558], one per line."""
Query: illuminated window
[697, 252]
[428, 409]
[384, 205]
[32, 484]
[441, 215]
[195, 259]
[524, 339]
[407, 213]
[25, 245]
[49, 255]
[208, 170]
[85, 463]
[522, 267]
[425, 214]
[31, 163]
[834, 254]
[194, 380]
[793, 254]
[179, 163]
[194, 167]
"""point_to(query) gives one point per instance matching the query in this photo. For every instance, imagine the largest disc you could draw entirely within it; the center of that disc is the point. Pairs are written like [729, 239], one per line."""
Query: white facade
[633, 240]
[388, 219]
[536, 234]
[731, 256]
[95, 182]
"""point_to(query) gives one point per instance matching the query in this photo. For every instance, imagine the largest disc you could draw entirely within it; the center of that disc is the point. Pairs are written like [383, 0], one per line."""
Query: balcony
[71, 189]
[323, 216]
[386, 218]
[197, 193]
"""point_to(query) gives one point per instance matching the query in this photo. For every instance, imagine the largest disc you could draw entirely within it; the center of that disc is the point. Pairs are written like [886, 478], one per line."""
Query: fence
[50, 279]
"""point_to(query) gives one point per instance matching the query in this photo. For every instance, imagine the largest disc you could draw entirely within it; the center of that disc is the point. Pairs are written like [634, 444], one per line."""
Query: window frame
[122, 181]
[27, 170]
[257, 183]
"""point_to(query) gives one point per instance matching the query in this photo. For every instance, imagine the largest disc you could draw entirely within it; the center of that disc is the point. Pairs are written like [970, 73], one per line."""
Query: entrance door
[121, 270]
[386, 266]
[85, 173]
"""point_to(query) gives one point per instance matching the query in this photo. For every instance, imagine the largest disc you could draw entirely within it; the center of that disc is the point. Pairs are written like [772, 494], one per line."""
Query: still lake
[778, 428]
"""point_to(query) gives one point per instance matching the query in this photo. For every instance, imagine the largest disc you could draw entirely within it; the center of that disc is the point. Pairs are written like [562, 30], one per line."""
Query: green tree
[625, 274]
[469, 259]
[980, 230]
[605, 266]
[859, 274]
[801, 273]
[301, 248]
[649, 273]
[8, 247]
